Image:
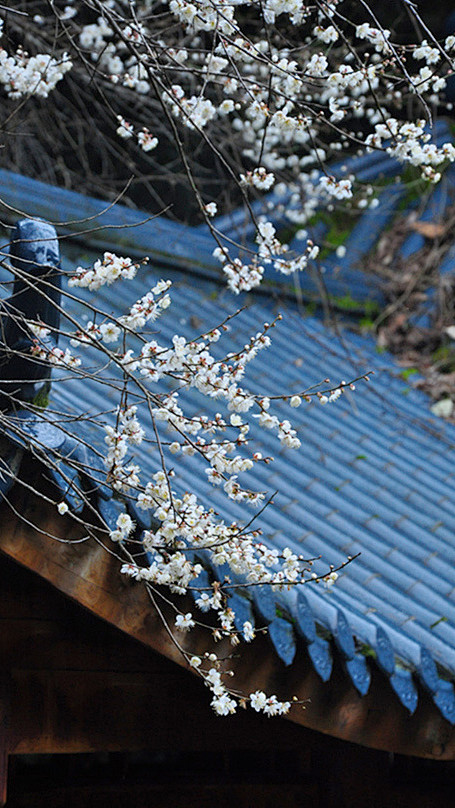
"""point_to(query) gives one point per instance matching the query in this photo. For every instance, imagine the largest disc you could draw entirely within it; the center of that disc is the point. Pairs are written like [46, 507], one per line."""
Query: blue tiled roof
[345, 276]
[191, 248]
[375, 475]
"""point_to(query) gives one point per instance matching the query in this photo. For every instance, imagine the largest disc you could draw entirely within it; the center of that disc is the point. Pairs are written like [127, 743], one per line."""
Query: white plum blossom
[340, 189]
[38, 329]
[211, 209]
[24, 75]
[54, 355]
[329, 34]
[258, 700]
[425, 52]
[125, 129]
[248, 631]
[378, 37]
[105, 271]
[276, 95]
[226, 107]
[146, 141]
[330, 579]
[184, 622]
[68, 13]
[259, 178]
[109, 332]
[125, 527]
[317, 65]
[224, 704]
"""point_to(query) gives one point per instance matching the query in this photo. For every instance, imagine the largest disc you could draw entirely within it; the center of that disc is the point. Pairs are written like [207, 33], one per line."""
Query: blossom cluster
[223, 703]
[275, 91]
[54, 355]
[410, 143]
[148, 308]
[185, 530]
[127, 432]
[44, 348]
[24, 75]
[242, 277]
[104, 271]
[259, 178]
[105, 332]
[145, 139]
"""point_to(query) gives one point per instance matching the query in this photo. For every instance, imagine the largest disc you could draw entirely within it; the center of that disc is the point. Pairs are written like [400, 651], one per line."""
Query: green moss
[416, 187]
[367, 651]
[347, 303]
[41, 399]
[437, 622]
[288, 232]
[441, 353]
[372, 308]
[444, 357]
[324, 633]
[340, 225]
[284, 616]
[405, 374]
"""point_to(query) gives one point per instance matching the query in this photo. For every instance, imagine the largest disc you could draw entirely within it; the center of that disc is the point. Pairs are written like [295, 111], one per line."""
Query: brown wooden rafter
[89, 575]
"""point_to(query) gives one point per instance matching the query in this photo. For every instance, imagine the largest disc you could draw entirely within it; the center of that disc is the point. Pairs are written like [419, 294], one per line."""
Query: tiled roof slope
[191, 248]
[375, 475]
[344, 277]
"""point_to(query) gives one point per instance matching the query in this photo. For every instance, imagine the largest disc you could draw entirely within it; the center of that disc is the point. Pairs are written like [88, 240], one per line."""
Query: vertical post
[5, 705]
[3, 777]
[34, 256]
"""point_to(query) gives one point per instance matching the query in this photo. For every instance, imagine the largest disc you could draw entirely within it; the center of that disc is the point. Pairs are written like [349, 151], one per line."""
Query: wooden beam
[69, 711]
[5, 714]
[89, 575]
[200, 794]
